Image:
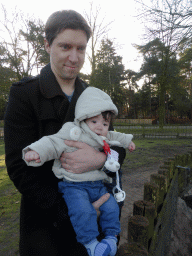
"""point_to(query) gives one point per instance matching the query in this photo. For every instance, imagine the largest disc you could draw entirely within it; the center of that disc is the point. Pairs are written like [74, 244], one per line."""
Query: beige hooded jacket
[92, 102]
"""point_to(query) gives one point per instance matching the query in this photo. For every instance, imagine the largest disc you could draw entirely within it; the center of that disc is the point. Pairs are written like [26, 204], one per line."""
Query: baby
[93, 114]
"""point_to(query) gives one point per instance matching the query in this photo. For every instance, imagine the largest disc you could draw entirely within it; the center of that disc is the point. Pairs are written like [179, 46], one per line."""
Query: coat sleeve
[49, 147]
[46, 148]
[21, 130]
[123, 138]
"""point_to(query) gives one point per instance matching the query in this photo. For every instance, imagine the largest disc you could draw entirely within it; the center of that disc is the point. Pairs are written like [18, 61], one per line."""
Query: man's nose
[73, 56]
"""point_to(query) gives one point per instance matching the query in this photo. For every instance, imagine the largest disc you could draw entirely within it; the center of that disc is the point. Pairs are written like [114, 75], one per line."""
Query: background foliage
[165, 93]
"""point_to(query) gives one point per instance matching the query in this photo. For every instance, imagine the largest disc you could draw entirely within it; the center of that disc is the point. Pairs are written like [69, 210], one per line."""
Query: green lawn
[9, 211]
[149, 152]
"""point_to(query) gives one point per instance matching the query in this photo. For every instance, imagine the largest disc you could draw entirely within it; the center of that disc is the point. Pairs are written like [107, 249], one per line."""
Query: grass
[149, 152]
[9, 211]
[154, 129]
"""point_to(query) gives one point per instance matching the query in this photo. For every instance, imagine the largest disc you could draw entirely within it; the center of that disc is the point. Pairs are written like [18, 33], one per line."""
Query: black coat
[37, 107]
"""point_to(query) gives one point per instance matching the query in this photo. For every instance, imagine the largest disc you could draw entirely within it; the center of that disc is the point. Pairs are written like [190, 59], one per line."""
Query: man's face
[98, 125]
[67, 53]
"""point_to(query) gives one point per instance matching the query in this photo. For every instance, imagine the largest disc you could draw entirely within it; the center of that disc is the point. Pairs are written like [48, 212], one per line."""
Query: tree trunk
[161, 106]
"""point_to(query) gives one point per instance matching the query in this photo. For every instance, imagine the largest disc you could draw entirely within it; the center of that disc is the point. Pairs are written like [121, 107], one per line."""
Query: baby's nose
[99, 127]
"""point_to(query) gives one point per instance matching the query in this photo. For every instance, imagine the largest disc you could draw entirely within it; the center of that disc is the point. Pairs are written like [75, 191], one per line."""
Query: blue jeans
[79, 197]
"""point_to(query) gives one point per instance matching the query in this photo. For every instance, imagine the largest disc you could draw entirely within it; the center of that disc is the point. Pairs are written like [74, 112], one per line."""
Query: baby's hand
[32, 156]
[131, 147]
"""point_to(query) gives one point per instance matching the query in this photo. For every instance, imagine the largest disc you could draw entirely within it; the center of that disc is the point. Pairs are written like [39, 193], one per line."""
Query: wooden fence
[135, 121]
[150, 227]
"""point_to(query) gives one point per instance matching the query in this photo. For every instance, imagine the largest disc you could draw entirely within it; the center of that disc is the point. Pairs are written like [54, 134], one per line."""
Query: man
[37, 107]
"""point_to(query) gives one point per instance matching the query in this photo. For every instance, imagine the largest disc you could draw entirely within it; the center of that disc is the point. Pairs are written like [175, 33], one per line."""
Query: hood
[93, 102]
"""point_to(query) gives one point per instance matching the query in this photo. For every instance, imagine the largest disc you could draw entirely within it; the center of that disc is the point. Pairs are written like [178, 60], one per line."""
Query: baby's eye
[94, 122]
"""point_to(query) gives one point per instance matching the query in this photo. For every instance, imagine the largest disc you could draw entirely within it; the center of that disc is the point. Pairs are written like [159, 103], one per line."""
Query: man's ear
[47, 47]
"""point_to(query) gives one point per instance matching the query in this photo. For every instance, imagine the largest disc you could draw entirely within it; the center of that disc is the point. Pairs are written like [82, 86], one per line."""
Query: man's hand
[84, 159]
[99, 202]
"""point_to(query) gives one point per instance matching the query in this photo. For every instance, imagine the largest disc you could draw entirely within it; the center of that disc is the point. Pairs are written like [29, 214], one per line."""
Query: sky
[126, 28]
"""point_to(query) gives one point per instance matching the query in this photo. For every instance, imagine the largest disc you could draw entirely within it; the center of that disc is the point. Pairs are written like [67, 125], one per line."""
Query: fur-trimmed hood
[93, 102]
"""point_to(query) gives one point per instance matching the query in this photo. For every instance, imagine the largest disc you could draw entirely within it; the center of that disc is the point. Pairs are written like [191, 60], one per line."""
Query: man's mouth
[71, 67]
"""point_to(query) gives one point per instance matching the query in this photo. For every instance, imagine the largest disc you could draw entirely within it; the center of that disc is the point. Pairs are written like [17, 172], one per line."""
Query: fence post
[146, 209]
[190, 153]
[170, 166]
[181, 159]
[166, 173]
[132, 249]
[151, 193]
[178, 159]
[187, 159]
[182, 179]
[138, 227]
[190, 165]
[161, 181]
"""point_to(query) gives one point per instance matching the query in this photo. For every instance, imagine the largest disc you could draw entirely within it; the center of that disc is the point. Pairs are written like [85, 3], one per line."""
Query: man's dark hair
[66, 19]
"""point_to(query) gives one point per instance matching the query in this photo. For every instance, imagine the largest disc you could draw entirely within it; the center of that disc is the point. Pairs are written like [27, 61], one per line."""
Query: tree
[185, 63]
[99, 30]
[21, 50]
[7, 76]
[33, 37]
[131, 77]
[135, 105]
[22, 39]
[153, 68]
[181, 102]
[109, 73]
[170, 22]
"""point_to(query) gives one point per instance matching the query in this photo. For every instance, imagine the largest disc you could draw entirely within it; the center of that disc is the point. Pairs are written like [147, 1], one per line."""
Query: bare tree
[22, 39]
[99, 31]
[171, 21]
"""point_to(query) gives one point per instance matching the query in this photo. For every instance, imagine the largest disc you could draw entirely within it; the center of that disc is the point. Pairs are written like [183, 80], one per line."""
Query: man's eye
[94, 122]
[66, 47]
[81, 48]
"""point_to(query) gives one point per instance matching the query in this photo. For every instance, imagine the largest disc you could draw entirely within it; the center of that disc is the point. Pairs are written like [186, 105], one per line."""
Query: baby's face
[98, 125]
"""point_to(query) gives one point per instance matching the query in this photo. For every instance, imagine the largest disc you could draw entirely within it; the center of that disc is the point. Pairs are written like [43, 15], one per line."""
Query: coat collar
[79, 88]
[50, 88]
[48, 84]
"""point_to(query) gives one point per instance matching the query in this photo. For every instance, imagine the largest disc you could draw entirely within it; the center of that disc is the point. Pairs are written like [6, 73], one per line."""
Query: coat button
[55, 224]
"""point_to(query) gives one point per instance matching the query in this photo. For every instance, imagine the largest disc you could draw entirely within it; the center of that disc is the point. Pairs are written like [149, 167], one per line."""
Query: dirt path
[134, 179]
